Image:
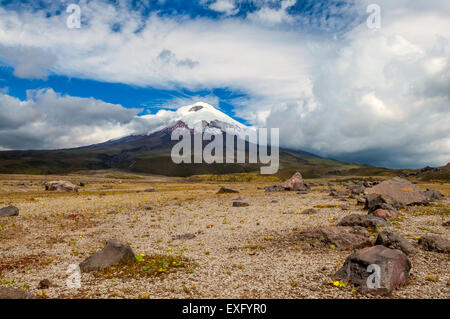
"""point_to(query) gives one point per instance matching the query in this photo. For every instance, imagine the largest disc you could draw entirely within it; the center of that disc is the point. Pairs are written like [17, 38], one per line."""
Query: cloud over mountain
[374, 95]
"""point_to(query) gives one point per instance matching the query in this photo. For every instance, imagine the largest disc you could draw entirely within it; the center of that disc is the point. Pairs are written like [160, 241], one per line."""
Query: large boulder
[376, 270]
[295, 183]
[376, 201]
[393, 239]
[343, 237]
[9, 211]
[363, 221]
[61, 186]
[401, 190]
[114, 253]
[435, 243]
[14, 293]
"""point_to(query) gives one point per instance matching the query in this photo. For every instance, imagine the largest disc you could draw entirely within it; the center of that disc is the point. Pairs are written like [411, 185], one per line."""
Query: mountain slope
[150, 153]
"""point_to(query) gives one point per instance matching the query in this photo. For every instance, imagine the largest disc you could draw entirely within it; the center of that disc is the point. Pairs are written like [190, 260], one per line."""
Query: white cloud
[380, 92]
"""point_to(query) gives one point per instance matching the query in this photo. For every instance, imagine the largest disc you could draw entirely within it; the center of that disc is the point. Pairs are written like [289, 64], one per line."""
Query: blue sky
[315, 69]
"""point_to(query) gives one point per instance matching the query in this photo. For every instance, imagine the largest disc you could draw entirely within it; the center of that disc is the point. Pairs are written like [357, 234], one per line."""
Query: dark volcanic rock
[240, 204]
[363, 221]
[401, 190]
[393, 266]
[14, 293]
[342, 237]
[376, 201]
[226, 190]
[44, 284]
[446, 224]
[435, 243]
[393, 239]
[9, 211]
[113, 253]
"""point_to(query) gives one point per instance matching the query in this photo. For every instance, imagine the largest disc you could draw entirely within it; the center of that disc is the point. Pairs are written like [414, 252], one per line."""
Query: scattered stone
[401, 190]
[150, 190]
[342, 237]
[112, 212]
[309, 211]
[344, 207]
[14, 293]
[435, 243]
[361, 201]
[44, 284]
[394, 267]
[225, 190]
[393, 239]
[386, 214]
[363, 221]
[433, 195]
[61, 186]
[9, 211]
[81, 184]
[357, 190]
[184, 236]
[274, 188]
[446, 224]
[240, 204]
[113, 253]
[295, 183]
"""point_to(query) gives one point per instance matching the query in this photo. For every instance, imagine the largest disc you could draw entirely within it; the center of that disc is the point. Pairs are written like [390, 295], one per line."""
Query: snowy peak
[198, 116]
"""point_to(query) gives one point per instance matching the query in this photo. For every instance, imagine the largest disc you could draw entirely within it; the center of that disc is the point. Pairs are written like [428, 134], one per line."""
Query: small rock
[395, 240]
[446, 224]
[435, 243]
[14, 293]
[184, 237]
[309, 211]
[295, 183]
[150, 190]
[9, 211]
[61, 186]
[113, 253]
[44, 284]
[385, 214]
[226, 190]
[112, 212]
[274, 188]
[357, 190]
[240, 204]
[393, 264]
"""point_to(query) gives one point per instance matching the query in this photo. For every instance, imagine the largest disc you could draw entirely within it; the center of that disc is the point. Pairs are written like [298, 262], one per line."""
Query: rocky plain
[143, 236]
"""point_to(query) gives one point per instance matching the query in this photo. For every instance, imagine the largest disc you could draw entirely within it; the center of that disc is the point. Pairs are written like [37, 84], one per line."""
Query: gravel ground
[226, 266]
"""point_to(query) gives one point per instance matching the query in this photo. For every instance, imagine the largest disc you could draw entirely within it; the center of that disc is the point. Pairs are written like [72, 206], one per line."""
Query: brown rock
[401, 190]
[363, 221]
[385, 214]
[435, 243]
[394, 267]
[44, 284]
[61, 186]
[343, 237]
[226, 190]
[295, 183]
[114, 253]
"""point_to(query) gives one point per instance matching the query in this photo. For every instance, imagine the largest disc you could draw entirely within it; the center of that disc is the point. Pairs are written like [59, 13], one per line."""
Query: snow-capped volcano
[196, 116]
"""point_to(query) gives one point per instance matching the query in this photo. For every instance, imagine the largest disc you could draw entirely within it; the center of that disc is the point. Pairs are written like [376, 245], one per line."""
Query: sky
[336, 83]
